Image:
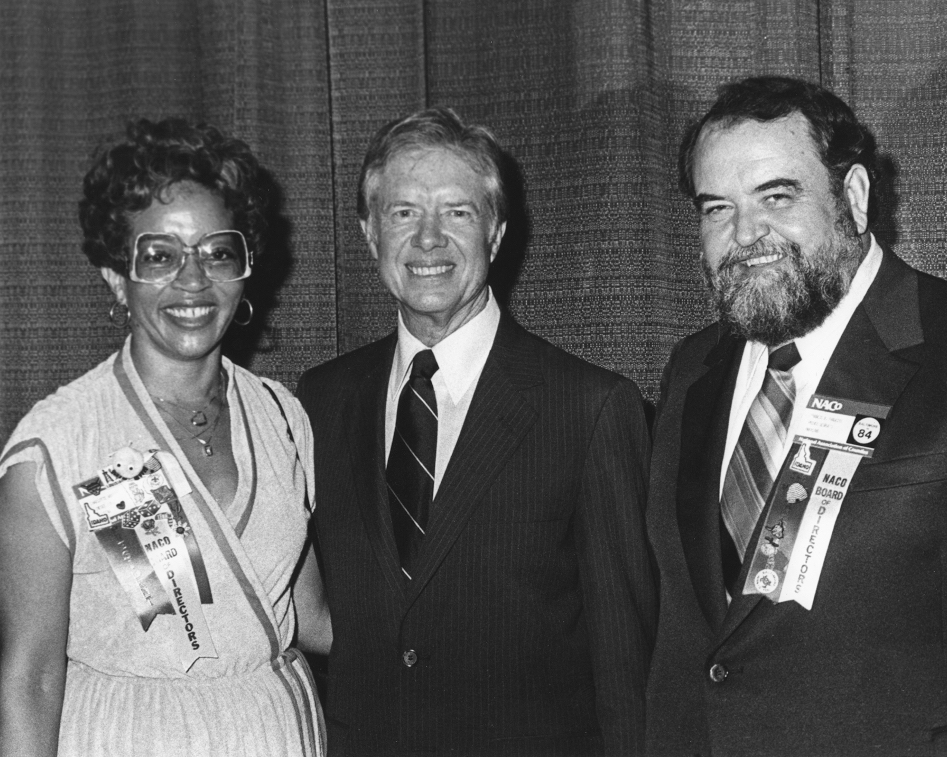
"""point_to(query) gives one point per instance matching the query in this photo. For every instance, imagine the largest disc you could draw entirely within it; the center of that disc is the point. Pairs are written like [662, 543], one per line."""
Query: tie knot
[785, 358]
[424, 365]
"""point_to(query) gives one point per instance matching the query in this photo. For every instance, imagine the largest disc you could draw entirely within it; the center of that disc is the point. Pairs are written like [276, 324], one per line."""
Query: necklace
[206, 446]
[198, 417]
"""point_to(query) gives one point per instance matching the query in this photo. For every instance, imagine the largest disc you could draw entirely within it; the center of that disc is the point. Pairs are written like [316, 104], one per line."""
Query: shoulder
[70, 406]
[696, 346]
[268, 396]
[326, 390]
[690, 354]
[520, 351]
[907, 305]
[250, 382]
[340, 373]
[932, 290]
[690, 358]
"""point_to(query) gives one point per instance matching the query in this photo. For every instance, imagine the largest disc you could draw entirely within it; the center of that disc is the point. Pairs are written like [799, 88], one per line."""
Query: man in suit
[818, 396]
[480, 500]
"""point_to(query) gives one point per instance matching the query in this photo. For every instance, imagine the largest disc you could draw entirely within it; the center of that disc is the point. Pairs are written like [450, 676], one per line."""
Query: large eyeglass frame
[188, 249]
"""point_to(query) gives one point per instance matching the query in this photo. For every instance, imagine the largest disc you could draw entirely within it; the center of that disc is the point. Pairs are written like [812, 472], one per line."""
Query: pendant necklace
[198, 419]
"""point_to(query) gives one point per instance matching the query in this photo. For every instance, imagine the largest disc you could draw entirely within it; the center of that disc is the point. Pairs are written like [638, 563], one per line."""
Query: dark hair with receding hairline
[128, 175]
[437, 127]
[840, 139]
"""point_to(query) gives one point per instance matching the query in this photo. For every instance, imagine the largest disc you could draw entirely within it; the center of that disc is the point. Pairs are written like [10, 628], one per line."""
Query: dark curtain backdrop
[589, 96]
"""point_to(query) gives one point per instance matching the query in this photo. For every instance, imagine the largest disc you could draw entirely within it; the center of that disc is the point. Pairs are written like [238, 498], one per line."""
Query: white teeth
[763, 260]
[431, 270]
[191, 312]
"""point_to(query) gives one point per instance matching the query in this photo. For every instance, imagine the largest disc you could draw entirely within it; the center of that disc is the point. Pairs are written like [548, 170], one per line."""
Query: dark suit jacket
[532, 608]
[864, 672]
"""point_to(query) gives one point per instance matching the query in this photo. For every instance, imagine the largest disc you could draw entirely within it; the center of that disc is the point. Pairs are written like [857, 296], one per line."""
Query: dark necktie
[757, 458]
[410, 471]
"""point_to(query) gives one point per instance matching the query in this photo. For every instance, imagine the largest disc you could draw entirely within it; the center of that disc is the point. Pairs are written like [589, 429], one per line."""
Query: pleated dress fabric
[126, 691]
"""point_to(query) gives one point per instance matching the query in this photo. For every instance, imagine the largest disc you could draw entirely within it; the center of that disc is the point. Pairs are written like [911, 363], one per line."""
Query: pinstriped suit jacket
[532, 609]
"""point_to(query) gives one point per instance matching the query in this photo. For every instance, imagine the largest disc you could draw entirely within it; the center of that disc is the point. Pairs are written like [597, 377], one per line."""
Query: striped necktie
[757, 457]
[410, 471]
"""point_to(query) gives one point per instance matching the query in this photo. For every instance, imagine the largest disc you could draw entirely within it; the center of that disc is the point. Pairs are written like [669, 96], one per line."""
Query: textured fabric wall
[590, 96]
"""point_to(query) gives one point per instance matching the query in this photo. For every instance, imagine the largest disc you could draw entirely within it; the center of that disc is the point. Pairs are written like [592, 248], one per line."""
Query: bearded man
[798, 501]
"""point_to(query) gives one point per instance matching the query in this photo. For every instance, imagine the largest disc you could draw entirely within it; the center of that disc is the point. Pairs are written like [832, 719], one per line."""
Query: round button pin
[866, 430]
[718, 673]
[409, 658]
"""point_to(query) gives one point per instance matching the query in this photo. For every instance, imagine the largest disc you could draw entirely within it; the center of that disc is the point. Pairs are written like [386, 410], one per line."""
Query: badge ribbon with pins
[133, 509]
[804, 504]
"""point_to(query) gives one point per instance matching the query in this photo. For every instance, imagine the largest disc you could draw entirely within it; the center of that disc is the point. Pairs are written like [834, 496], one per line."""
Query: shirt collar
[460, 356]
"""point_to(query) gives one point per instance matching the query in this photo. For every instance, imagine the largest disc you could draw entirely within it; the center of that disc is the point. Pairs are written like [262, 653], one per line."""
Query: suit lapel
[703, 436]
[498, 419]
[875, 356]
[366, 441]
[873, 362]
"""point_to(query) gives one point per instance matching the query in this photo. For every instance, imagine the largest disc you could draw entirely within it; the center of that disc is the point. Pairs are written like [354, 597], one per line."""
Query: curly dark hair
[842, 140]
[129, 174]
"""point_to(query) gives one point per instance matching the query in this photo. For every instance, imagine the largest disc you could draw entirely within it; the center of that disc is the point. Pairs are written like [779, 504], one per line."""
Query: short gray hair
[437, 127]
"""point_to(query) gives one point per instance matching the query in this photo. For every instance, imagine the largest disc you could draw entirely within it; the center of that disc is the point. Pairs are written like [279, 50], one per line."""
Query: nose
[192, 276]
[429, 234]
[749, 226]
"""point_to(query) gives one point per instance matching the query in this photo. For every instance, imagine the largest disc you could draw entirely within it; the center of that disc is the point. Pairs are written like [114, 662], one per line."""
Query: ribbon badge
[804, 504]
[133, 509]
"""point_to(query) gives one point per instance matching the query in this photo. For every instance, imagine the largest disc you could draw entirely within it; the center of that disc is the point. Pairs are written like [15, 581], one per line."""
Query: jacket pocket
[905, 471]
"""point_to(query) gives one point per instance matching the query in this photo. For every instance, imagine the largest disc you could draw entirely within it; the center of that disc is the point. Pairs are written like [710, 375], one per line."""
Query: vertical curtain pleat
[377, 60]
[591, 98]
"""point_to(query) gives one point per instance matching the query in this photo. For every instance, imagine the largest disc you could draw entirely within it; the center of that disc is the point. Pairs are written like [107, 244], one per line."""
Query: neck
[187, 382]
[431, 328]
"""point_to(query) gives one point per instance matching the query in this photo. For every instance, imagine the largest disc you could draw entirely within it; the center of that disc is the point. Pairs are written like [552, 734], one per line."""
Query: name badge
[132, 507]
[800, 514]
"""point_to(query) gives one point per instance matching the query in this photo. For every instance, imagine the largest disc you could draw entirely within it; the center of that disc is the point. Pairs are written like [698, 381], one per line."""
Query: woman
[153, 512]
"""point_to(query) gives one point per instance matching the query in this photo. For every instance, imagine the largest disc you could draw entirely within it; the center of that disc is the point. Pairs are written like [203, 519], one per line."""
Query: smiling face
[431, 230]
[185, 319]
[779, 249]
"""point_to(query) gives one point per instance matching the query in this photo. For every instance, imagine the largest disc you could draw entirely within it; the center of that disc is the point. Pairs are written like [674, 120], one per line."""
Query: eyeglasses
[159, 258]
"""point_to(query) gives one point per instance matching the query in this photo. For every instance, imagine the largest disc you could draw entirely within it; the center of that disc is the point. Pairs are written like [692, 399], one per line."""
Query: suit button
[718, 673]
[409, 658]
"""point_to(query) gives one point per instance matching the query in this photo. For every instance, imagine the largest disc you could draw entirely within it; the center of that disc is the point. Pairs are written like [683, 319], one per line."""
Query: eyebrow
[777, 183]
[702, 198]
[764, 187]
[464, 204]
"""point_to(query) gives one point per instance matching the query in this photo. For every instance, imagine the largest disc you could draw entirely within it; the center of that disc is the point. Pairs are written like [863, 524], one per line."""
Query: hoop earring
[119, 315]
[249, 315]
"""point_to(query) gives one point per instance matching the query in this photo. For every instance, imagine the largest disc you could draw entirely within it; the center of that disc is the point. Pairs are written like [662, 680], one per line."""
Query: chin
[194, 348]
[432, 304]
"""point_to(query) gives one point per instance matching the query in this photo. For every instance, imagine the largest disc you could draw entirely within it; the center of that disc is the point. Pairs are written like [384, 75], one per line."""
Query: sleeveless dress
[127, 692]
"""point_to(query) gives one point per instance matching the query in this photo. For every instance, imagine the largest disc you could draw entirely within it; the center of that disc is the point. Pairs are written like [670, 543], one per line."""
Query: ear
[497, 238]
[856, 188]
[369, 233]
[116, 283]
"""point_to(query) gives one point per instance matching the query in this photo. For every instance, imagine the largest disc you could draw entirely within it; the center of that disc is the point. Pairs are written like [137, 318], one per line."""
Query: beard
[777, 305]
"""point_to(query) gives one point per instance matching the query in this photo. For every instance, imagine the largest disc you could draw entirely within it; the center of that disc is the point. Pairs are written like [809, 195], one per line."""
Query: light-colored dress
[126, 690]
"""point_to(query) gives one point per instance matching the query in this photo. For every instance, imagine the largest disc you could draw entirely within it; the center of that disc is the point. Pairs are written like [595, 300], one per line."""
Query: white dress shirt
[815, 350]
[460, 360]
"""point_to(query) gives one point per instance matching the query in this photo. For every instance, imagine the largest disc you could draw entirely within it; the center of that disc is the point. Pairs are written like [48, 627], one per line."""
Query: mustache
[760, 248]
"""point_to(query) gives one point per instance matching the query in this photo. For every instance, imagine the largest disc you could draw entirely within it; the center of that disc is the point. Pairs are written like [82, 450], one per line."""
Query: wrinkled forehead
[748, 146]
[378, 178]
[794, 126]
